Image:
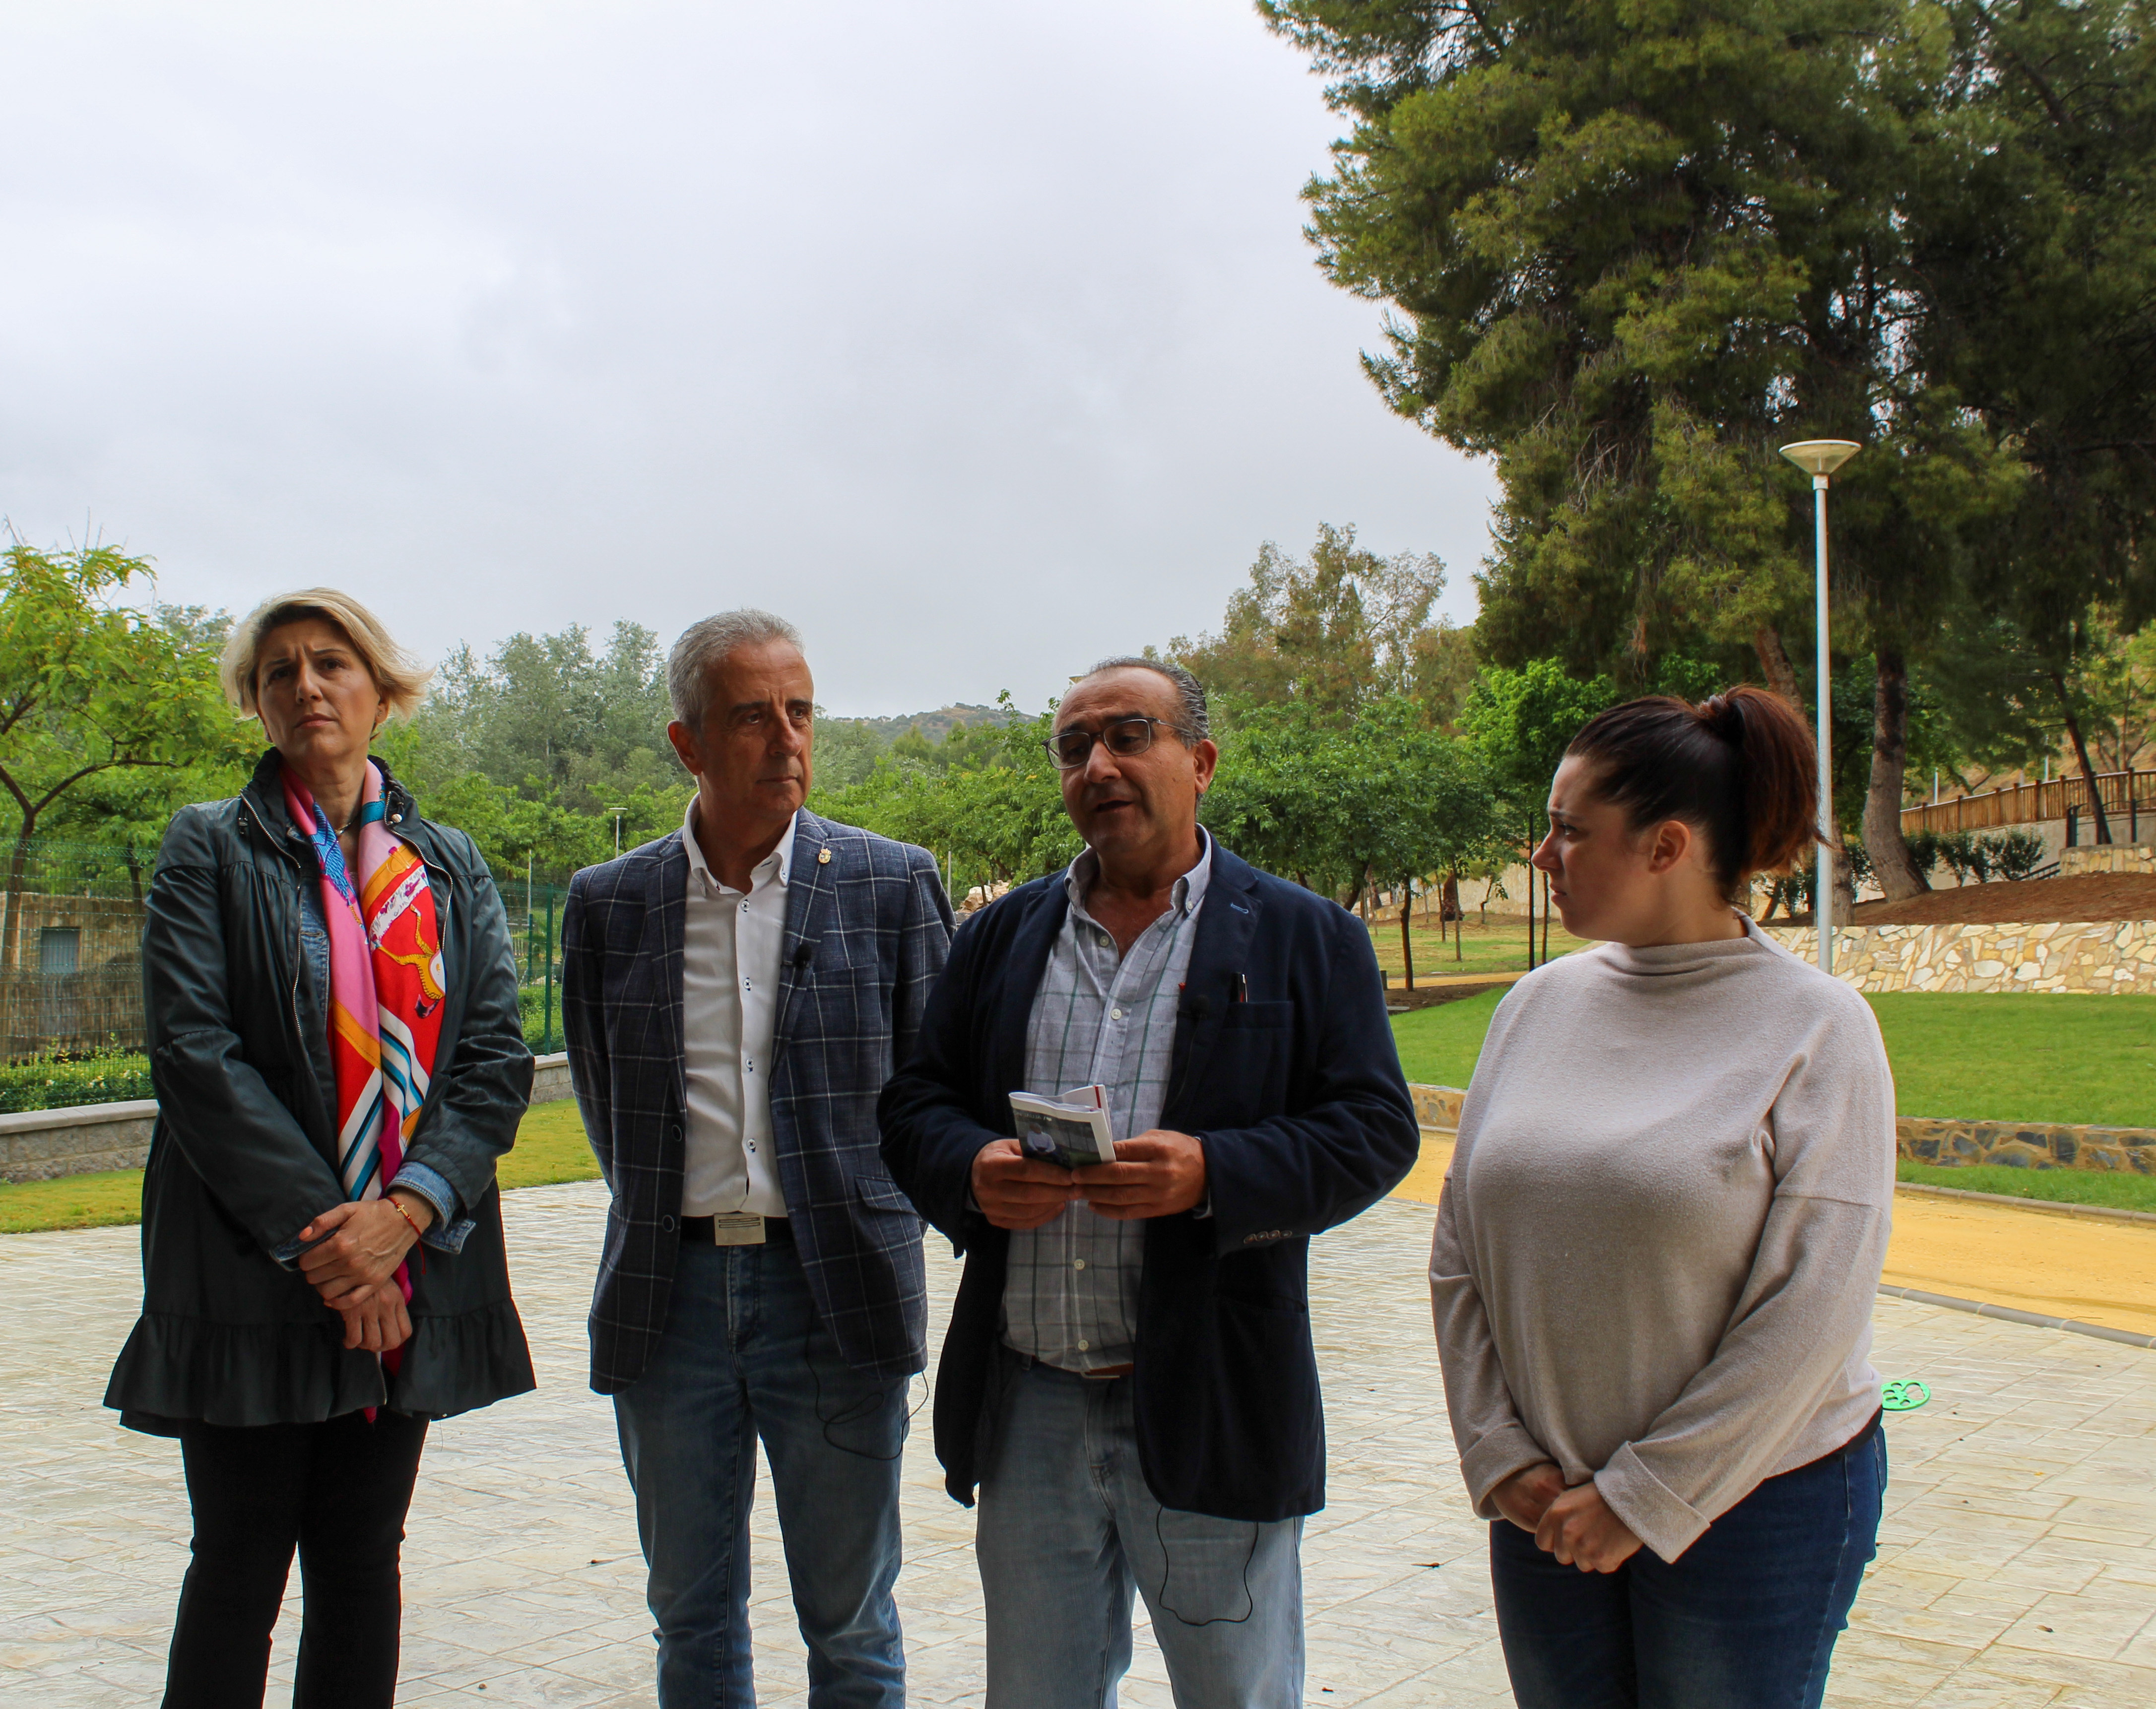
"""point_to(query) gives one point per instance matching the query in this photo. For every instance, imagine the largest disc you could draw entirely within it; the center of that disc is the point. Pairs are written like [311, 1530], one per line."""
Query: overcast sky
[978, 338]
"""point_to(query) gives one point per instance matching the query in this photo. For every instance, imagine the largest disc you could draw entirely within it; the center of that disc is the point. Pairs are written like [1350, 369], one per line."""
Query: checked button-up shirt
[1070, 1298]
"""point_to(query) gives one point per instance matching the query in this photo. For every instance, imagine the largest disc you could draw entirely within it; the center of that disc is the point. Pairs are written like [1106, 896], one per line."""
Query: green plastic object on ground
[1904, 1394]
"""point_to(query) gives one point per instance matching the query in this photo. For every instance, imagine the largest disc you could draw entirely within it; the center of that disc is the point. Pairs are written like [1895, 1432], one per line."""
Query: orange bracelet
[419, 1239]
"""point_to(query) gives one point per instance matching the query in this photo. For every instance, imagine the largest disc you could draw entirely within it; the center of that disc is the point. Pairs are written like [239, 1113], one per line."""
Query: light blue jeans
[745, 1356]
[1068, 1532]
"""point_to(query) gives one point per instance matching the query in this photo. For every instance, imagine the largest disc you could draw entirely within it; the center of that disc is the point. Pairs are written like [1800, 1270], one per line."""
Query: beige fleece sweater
[1662, 1234]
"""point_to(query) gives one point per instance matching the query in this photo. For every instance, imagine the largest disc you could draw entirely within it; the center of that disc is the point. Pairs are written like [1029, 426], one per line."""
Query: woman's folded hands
[1576, 1525]
[353, 1266]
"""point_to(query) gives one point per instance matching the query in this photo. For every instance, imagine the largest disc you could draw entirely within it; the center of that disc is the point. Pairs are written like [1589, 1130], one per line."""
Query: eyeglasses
[1070, 748]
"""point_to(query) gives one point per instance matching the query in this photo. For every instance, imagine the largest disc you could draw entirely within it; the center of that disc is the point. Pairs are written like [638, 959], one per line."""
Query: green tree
[2041, 312]
[89, 687]
[1332, 631]
[1382, 802]
[992, 808]
[1634, 252]
[545, 712]
[1522, 721]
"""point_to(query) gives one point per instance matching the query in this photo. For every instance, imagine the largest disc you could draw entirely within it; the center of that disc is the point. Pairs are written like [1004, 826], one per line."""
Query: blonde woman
[338, 1060]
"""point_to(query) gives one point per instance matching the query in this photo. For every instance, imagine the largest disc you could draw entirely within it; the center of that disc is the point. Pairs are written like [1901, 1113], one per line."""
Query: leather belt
[706, 1231]
[1106, 1373]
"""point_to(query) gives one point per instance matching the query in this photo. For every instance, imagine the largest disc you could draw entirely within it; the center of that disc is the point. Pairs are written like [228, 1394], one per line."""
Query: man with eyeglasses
[1128, 1376]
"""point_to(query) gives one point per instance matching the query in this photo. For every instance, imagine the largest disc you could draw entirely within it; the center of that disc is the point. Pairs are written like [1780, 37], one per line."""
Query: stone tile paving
[2018, 1565]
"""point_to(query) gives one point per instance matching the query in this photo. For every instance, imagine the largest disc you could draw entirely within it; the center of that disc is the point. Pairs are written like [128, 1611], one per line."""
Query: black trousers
[338, 1491]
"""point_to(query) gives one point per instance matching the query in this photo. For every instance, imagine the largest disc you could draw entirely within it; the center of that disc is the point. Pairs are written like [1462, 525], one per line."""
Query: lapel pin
[822, 857]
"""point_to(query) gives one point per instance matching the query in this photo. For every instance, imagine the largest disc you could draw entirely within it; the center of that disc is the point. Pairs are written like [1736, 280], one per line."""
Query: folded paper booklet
[1071, 1130]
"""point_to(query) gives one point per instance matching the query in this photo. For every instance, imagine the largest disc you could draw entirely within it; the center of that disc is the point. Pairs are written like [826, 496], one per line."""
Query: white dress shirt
[730, 970]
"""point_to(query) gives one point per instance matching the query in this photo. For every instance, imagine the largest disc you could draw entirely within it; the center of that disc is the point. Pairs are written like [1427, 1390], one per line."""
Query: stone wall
[550, 1077]
[41, 1145]
[2026, 1145]
[2138, 858]
[1942, 1141]
[2105, 955]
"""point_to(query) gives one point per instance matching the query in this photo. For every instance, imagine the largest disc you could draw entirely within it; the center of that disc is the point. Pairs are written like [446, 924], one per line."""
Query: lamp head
[1818, 458]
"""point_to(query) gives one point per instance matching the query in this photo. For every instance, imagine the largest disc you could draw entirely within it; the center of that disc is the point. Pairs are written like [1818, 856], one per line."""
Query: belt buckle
[738, 1227]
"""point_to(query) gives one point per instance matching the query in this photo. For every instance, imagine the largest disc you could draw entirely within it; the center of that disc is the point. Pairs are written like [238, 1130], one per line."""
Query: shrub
[58, 1083]
[2015, 855]
[1967, 859]
[532, 1002]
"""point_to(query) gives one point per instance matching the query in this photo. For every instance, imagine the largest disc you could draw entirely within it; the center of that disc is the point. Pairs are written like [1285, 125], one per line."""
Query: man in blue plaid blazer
[735, 995]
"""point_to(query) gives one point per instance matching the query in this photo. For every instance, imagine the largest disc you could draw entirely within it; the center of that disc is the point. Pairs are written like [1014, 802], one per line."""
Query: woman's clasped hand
[352, 1252]
[1575, 1525]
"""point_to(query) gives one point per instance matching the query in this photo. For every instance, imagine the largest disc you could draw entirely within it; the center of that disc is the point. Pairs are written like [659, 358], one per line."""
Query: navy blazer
[1288, 1076]
[867, 929]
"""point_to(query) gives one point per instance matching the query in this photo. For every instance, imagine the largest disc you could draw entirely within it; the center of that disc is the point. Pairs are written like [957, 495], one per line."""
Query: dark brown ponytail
[1740, 767]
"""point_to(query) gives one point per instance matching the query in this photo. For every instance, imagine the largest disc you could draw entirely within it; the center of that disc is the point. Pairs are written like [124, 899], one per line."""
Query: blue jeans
[744, 1357]
[1068, 1532]
[1745, 1618]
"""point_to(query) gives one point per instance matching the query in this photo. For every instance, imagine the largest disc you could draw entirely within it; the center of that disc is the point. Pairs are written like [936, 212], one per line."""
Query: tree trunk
[1407, 948]
[11, 933]
[2081, 753]
[1774, 663]
[1890, 862]
[1546, 913]
[1531, 919]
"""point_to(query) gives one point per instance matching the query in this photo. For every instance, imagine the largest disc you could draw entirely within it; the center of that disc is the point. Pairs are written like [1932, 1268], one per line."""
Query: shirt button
[1078, 1264]
[1084, 1346]
[1117, 1012]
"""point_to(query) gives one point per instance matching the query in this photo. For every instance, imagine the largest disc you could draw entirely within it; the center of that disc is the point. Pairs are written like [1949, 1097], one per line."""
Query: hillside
[934, 726]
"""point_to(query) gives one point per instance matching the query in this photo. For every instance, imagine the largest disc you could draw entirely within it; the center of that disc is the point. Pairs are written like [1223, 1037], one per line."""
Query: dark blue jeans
[746, 1357]
[1745, 1618]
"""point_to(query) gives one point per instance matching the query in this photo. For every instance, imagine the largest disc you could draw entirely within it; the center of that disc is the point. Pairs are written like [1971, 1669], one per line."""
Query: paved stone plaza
[2018, 1565]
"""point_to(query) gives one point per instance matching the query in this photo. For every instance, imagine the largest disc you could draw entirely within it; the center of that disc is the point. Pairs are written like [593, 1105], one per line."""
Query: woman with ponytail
[1659, 1239]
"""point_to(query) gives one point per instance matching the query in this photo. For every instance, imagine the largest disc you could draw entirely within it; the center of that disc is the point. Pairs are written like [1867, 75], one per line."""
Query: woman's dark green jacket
[245, 1152]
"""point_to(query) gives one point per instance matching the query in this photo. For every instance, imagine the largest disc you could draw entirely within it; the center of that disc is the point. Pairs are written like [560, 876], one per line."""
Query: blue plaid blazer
[866, 934]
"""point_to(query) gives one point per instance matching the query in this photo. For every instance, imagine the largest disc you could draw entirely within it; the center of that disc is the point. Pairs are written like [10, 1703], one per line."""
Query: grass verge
[1498, 947]
[1979, 1058]
[550, 1148]
[2056, 1186]
[72, 1202]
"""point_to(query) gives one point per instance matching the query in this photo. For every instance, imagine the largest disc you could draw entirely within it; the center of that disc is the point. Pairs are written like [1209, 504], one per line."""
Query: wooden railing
[2125, 795]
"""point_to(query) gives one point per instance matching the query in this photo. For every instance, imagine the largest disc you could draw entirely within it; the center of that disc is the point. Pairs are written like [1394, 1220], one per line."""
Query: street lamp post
[1819, 458]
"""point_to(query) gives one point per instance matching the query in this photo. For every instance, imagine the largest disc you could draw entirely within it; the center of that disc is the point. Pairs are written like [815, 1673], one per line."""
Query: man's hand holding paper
[1156, 1174]
[1015, 1190]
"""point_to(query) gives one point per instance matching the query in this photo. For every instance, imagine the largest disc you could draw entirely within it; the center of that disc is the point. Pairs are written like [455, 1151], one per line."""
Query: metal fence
[535, 927]
[80, 1013]
[71, 974]
[70, 948]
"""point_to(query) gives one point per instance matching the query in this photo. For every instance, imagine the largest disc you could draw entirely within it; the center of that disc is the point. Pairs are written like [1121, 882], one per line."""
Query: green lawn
[1499, 948]
[2004, 1058]
[2059, 1186]
[550, 1147]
